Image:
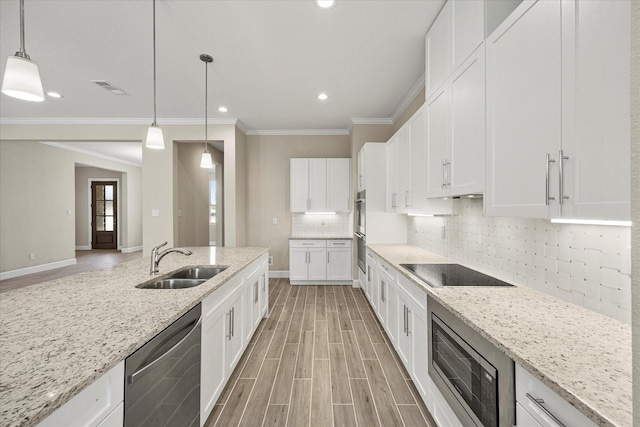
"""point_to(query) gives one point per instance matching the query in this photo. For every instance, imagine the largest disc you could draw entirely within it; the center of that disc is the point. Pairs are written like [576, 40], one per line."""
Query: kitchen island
[583, 356]
[58, 337]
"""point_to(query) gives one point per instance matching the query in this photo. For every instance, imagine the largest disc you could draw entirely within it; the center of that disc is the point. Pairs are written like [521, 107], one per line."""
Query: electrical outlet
[32, 257]
[270, 260]
[274, 221]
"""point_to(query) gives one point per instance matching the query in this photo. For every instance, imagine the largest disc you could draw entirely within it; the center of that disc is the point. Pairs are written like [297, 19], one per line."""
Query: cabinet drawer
[338, 243]
[93, 404]
[529, 388]
[387, 269]
[371, 258]
[417, 294]
[307, 243]
[255, 266]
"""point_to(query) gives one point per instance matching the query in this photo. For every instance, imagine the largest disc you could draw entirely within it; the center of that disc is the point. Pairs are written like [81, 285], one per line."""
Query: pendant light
[205, 161]
[155, 138]
[21, 76]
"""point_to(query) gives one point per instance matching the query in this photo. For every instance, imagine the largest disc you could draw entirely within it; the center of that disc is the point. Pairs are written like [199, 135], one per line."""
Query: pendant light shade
[205, 160]
[21, 76]
[155, 139]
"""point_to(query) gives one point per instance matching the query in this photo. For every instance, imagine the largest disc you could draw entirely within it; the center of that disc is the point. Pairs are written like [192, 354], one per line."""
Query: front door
[104, 215]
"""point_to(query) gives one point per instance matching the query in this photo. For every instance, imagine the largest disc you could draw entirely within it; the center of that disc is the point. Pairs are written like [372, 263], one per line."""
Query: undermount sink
[182, 279]
[171, 283]
[205, 273]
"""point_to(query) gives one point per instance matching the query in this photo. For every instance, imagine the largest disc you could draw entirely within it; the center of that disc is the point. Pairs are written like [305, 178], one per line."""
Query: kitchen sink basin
[171, 283]
[205, 273]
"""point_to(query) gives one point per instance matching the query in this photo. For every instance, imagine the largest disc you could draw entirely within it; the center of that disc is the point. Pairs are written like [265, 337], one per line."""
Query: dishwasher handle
[151, 366]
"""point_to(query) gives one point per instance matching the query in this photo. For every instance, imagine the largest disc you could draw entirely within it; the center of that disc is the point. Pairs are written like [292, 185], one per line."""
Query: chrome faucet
[157, 256]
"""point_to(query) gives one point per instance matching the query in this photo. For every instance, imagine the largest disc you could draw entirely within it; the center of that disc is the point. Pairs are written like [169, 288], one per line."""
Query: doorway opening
[104, 215]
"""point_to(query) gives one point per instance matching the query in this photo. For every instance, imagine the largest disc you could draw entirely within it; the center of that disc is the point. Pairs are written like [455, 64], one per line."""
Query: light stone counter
[320, 237]
[58, 337]
[585, 357]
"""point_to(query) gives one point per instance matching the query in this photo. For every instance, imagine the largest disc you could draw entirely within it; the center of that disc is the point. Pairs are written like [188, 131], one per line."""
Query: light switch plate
[155, 212]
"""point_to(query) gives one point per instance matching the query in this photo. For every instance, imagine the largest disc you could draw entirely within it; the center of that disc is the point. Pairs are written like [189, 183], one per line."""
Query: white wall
[583, 264]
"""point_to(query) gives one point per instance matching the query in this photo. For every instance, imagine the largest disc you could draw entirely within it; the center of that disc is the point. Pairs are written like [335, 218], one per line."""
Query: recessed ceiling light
[54, 95]
[222, 109]
[325, 4]
[323, 96]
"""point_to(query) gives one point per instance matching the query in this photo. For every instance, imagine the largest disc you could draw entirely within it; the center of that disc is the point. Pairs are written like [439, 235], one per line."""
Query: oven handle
[150, 366]
[358, 235]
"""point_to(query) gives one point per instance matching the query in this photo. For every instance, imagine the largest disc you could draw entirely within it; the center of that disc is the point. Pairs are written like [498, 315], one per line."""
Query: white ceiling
[271, 59]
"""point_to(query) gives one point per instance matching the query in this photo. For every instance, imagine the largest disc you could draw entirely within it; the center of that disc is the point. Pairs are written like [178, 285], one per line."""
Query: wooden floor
[86, 260]
[320, 359]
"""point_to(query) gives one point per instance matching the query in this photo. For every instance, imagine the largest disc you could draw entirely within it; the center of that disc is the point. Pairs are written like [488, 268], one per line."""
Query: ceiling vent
[108, 86]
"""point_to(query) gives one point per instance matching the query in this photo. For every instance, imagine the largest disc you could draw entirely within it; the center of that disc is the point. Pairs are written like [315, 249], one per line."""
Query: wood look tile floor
[320, 359]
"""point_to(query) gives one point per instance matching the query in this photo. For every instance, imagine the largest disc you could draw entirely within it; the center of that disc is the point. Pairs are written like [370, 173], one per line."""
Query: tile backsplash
[584, 264]
[339, 224]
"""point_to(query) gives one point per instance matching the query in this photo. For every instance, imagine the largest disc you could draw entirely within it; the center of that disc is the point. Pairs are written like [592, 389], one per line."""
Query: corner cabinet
[558, 111]
[320, 185]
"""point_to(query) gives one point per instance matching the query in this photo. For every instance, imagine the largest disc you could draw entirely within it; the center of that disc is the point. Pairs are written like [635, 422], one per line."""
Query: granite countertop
[58, 337]
[583, 356]
[321, 237]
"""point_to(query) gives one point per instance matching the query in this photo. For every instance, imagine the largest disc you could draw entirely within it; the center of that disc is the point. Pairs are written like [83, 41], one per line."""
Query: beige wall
[37, 189]
[417, 102]
[635, 203]
[241, 190]
[268, 186]
[83, 208]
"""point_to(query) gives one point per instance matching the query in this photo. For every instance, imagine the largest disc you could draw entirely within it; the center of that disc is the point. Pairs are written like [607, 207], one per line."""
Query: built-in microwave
[475, 378]
[361, 212]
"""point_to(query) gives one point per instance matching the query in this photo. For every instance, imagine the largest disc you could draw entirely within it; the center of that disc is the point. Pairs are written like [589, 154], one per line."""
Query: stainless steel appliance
[444, 275]
[475, 378]
[360, 233]
[163, 377]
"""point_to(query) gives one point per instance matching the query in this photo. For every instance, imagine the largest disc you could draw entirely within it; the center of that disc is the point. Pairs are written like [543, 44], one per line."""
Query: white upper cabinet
[392, 174]
[455, 34]
[558, 111]
[339, 185]
[320, 185]
[403, 159]
[438, 141]
[417, 160]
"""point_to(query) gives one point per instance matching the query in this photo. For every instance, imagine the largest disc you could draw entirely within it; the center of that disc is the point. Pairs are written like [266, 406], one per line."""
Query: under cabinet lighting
[417, 214]
[319, 213]
[591, 222]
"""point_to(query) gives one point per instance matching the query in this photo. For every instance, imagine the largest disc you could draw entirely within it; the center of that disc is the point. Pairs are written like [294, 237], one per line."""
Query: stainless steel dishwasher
[163, 377]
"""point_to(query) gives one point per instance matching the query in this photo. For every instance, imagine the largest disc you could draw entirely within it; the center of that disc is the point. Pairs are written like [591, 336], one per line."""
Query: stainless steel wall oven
[475, 378]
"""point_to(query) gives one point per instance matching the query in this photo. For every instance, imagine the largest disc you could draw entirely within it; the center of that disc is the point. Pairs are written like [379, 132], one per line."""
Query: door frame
[89, 228]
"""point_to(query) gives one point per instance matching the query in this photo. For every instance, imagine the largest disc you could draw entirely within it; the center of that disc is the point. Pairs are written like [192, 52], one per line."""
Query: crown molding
[366, 121]
[114, 121]
[410, 96]
[299, 132]
[243, 128]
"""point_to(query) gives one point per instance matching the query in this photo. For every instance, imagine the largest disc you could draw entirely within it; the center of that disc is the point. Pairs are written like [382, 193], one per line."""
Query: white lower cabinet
[320, 260]
[99, 404]
[538, 405]
[440, 409]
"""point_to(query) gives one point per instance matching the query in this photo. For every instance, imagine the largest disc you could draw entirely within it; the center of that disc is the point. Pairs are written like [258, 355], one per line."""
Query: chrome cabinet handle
[539, 404]
[448, 173]
[404, 320]
[264, 283]
[382, 291]
[442, 179]
[561, 195]
[233, 321]
[548, 162]
[255, 293]
[229, 327]
[406, 199]
[150, 366]
[393, 200]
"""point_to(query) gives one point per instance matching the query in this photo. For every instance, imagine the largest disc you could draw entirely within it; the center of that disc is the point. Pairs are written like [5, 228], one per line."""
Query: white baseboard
[37, 268]
[83, 248]
[131, 249]
[273, 274]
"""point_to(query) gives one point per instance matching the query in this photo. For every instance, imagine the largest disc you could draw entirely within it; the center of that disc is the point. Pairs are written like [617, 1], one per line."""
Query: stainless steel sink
[205, 273]
[171, 283]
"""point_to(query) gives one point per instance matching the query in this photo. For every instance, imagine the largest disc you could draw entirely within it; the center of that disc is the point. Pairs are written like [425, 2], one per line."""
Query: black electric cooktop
[444, 275]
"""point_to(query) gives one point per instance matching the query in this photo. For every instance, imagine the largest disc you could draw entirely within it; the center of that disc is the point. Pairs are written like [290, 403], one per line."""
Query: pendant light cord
[206, 105]
[22, 53]
[155, 123]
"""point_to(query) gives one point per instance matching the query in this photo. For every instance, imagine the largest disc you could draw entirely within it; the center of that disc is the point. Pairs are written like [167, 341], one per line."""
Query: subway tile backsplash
[339, 224]
[583, 264]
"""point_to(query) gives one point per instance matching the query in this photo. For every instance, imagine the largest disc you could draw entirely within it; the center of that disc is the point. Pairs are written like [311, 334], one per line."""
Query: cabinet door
[339, 264]
[417, 161]
[317, 264]
[361, 155]
[466, 153]
[438, 55]
[597, 172]
[318, 185]
[404, 341]
[383, 285]
[467, 29]
[392, 317]
[523, 110]
[418, 331]
[438, 139]
[339, 185]
[252, 305]
[215, 331]
[234, 346]
[375, 278]
[264, 294]
[299, 177]
[298, 263]
[392, 174]
[403, 160]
